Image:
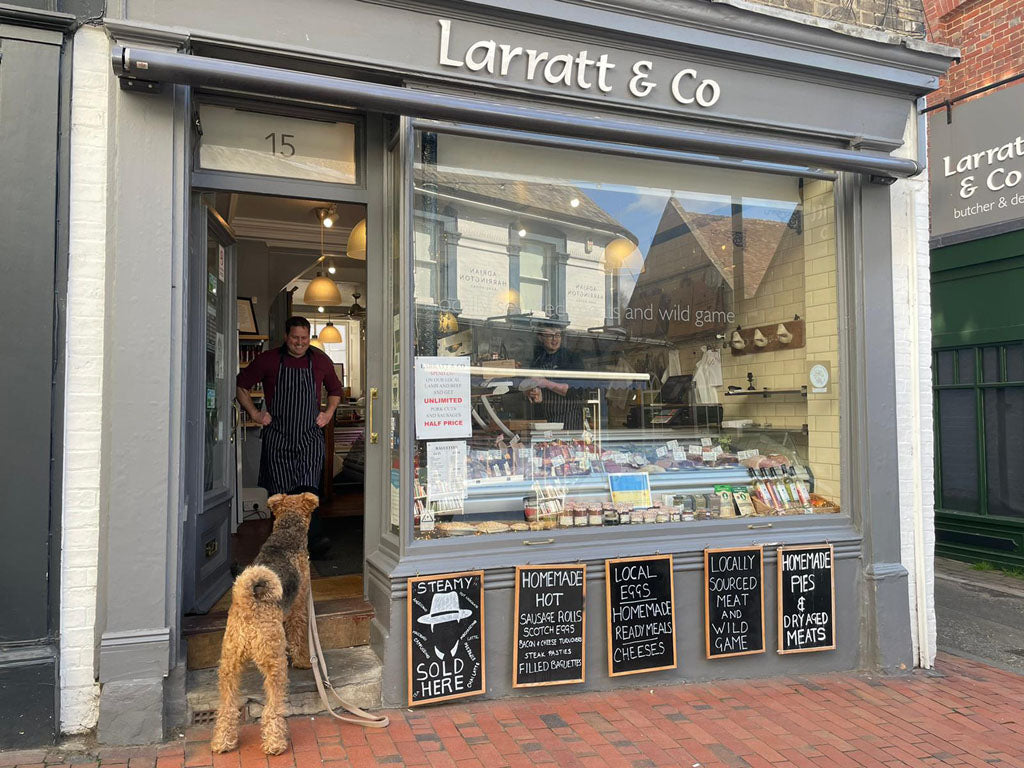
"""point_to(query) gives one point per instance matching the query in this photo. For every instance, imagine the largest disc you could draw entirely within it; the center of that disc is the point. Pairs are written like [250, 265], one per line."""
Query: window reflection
[628, 323]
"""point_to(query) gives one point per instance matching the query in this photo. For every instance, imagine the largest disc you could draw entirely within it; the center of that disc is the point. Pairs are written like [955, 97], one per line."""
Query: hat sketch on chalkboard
[444, 606]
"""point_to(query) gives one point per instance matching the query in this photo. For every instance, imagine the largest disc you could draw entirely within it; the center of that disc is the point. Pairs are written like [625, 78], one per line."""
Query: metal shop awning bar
[158, 66]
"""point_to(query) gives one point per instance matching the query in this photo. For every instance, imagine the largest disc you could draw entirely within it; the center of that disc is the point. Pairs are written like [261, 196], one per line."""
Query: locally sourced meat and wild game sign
[641, 615]
[550, 625]
[446, 636]
[807, 599]
[733, 602]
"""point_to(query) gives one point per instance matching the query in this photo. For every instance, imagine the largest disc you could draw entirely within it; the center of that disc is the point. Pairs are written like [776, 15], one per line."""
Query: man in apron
[559, 401]
[292, 458]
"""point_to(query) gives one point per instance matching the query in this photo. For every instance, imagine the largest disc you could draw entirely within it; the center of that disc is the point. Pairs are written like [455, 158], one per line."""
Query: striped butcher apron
[293, 445]
[565, 409]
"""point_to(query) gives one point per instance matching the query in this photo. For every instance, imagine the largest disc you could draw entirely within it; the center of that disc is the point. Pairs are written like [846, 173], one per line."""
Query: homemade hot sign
[550, 625]
[446, 636]
[641, 615]
[733, 602]
[807, 599]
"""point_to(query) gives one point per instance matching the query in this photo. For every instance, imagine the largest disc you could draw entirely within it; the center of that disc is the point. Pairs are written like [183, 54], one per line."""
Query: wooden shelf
[252, 337]
[767, 392]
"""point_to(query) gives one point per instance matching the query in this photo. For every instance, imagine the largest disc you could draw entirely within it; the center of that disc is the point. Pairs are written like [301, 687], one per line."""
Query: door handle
[374, 437]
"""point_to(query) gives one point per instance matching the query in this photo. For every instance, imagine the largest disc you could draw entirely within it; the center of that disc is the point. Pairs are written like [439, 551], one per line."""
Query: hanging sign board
[733, 602]
[446, 636]
[976, 167]
[550, 625]
[641, 615]
[442, 398]
[807, 599]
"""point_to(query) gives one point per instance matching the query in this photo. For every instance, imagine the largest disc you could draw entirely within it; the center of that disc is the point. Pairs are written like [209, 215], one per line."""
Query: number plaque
[273, 145]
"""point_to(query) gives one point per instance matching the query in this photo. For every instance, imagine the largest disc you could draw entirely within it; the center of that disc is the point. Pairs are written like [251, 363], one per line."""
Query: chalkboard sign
[807, 599]
[733, 602]
[641, 615]
[550, 625]
[446, 636]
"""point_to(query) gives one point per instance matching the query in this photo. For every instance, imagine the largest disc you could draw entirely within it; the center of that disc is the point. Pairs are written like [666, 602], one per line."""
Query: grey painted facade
[33, 220]
[780, 81]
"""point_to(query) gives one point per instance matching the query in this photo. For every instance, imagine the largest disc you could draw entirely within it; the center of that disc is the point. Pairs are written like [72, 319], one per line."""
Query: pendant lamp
[322, 290]
[356, 246]
[315, 342]
[355, 310]
[329, 334]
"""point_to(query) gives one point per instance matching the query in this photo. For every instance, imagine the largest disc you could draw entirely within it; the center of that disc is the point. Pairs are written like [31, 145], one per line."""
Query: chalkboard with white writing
[550, 625]
[446, 636]
[807, 599]
[733, 602]
[641, 615]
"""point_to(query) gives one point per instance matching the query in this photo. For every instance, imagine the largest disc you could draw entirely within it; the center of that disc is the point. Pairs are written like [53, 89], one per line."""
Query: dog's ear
[273, 501]
[310, 501]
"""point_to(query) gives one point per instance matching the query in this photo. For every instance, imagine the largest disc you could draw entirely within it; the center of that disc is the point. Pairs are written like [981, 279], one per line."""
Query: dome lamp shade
[322, 291]
[356, 246]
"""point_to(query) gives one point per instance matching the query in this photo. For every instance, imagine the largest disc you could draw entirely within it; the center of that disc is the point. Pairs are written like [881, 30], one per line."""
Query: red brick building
[990, 36]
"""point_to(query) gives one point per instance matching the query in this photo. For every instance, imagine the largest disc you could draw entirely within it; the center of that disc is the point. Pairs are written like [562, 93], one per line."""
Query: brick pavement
[963, 713]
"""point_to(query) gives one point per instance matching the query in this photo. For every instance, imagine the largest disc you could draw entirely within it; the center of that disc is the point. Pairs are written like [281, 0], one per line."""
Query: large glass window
[979, 404]
[609, 341]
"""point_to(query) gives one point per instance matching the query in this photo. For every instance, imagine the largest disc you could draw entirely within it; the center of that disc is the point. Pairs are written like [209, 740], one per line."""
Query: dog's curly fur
[266, 623]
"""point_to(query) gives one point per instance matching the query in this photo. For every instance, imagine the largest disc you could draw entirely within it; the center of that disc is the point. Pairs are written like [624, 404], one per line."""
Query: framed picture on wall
[246, 316]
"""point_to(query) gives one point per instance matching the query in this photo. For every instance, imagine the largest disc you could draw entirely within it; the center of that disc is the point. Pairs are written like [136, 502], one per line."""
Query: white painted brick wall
[83, 416]
[912, 299]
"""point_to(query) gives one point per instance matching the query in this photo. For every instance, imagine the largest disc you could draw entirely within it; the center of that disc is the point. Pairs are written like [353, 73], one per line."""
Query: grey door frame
[368, 191]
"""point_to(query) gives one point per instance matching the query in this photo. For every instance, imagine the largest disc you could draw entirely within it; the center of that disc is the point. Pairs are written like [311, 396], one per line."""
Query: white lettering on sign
[995, 180]
[578, 70]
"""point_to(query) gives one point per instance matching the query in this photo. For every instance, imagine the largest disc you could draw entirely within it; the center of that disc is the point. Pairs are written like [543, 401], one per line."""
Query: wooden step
[355, 673]
[343, 621]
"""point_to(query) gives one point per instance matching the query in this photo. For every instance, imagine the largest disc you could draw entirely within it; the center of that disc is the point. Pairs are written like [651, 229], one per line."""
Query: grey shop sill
[686, 541]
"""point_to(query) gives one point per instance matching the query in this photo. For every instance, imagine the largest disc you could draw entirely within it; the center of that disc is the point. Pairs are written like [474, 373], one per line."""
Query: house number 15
[287, 148]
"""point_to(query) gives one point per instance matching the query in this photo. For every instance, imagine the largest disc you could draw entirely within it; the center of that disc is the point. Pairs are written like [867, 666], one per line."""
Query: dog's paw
[301, 663]
[275, 746]
[223, 745]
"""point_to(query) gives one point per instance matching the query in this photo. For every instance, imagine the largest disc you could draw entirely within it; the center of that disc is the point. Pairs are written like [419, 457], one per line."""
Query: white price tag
[673, 445]
[678, 455]
[705, 441]
[693, 449]
[747, 454]
[662, 451]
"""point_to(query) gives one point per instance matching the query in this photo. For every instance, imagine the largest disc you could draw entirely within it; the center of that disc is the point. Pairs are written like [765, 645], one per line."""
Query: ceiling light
[522, 231]
[327, 216]
[575, 202]
[322, 290]
[320, 309]
[331, 269]
[356, 246]
[329, 334]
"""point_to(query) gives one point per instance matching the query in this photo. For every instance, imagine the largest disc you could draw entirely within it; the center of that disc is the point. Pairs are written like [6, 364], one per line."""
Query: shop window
[980, 431]
[633, 342]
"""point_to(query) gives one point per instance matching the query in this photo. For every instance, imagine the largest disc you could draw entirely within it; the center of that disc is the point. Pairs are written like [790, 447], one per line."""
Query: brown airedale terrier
[266, 623]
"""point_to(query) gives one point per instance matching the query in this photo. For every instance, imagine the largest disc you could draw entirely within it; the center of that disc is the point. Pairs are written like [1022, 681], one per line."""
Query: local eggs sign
[582, 70]
[977, 167]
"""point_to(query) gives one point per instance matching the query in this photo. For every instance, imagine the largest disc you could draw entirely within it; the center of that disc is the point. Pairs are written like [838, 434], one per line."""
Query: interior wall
[254, 279]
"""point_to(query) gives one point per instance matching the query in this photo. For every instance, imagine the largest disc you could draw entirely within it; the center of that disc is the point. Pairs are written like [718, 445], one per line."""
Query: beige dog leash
[316, 658]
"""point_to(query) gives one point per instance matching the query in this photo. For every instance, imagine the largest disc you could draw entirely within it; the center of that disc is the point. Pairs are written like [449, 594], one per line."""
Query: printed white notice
[446, 469]
[442, 397]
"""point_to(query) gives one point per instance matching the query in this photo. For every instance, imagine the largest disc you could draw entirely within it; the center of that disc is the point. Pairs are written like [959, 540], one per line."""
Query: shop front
[978, 341]
[629, 329]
